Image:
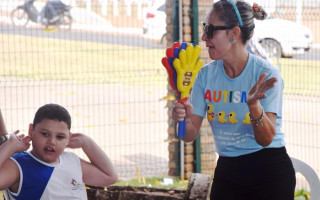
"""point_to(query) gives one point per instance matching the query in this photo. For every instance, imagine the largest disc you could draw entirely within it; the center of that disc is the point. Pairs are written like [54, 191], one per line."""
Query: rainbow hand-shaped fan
[182, 64]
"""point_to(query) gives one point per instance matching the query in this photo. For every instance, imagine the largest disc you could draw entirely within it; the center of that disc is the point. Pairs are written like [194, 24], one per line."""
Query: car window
[161, 8]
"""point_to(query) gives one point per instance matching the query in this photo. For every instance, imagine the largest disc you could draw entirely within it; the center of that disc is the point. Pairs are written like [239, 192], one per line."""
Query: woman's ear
[236, 32]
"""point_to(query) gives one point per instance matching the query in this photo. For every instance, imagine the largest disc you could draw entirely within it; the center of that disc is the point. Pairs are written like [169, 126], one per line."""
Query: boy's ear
[70, 135]
[30, 129]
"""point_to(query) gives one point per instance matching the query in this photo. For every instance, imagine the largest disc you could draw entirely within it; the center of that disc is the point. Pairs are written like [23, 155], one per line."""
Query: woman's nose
[204, 37]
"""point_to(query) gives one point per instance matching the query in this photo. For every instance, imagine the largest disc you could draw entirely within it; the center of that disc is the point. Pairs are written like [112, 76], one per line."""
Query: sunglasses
[209, 29]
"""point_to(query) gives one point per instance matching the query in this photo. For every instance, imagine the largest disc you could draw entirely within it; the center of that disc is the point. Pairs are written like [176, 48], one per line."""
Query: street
[83, 35]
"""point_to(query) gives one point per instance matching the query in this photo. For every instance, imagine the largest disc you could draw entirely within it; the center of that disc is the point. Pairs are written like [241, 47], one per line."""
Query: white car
[154, 23]
[278, 37]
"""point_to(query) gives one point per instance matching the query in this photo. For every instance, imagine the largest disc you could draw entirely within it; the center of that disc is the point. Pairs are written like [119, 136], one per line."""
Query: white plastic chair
[311, 176]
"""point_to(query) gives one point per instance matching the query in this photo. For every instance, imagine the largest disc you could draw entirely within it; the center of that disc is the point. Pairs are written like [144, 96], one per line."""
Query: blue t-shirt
[223, 100]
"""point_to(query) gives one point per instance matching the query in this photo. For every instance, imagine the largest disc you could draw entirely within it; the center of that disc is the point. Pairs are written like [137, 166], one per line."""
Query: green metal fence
[111, 80]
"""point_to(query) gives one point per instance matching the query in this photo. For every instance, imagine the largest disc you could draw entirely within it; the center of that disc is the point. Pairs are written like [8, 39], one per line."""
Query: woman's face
[218, 43]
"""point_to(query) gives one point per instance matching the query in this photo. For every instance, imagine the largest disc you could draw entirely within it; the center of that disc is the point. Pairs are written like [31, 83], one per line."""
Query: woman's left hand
[258, 90]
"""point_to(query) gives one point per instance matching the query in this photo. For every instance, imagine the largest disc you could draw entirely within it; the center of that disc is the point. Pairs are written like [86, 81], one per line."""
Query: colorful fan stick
[182, 64]
[168, 64]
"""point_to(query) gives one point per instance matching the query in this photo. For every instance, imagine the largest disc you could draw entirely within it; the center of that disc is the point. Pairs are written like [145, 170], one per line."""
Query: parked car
[278, 37]
[154, 23]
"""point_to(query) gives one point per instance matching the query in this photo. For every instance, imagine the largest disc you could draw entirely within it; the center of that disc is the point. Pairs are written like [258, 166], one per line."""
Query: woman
[241, 94]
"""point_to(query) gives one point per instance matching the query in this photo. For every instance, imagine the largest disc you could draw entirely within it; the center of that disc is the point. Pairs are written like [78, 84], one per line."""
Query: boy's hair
[52, 112]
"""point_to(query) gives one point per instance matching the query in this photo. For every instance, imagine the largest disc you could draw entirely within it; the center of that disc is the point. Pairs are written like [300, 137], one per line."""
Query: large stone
[134, 193]
[199, 186]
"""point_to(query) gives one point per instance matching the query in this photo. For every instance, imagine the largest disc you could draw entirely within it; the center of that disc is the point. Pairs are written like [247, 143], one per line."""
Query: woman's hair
[52, 112]
[227, 11]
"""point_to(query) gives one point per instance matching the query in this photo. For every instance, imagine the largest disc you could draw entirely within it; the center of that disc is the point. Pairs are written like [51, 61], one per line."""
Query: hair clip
[256, 8]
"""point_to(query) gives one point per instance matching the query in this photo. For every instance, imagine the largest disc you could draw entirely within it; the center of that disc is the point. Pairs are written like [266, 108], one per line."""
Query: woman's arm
[193, 122]
[263, 124]
[265, 130]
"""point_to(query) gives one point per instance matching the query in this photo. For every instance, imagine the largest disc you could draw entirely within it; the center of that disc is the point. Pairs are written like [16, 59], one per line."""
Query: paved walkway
[128, 122]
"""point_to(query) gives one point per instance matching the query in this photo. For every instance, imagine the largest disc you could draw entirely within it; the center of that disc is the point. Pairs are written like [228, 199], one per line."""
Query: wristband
[3, 139]
[255, 122]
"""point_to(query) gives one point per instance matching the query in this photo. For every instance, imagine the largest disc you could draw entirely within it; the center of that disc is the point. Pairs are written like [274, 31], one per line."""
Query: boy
[47, 171]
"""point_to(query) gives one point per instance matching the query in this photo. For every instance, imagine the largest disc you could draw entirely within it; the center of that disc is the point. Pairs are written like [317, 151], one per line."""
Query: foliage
[300, 76]
[155, 182]
[39, 58]
[93, 62]
[301, 195]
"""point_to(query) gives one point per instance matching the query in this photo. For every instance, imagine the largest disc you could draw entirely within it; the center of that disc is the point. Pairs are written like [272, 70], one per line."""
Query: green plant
[156, 182]
[301, 195]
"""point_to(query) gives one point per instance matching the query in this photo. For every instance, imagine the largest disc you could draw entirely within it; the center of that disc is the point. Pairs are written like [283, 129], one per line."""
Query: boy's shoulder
[29, 159]
[21, 155]
[69, 156]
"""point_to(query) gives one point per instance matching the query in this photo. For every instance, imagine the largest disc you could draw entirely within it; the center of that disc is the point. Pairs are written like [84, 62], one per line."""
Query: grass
[89, 62]
[155, 182]
[85, 62]
[300, 76]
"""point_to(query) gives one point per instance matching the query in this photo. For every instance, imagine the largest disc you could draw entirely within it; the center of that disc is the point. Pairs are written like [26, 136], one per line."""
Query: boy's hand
[76, 140]
[20, 143]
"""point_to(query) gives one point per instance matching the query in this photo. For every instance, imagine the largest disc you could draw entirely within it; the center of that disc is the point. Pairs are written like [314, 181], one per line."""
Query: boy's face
[49, 139]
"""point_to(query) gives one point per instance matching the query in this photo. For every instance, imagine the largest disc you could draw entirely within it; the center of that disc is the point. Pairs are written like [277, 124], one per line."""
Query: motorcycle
[22, 14]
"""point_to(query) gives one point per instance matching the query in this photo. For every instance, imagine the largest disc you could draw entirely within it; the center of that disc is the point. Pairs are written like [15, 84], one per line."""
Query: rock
[199, 186]
[136, 193]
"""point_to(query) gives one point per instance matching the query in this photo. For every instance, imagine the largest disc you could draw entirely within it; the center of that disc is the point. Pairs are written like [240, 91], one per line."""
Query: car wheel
[272, 48]
[164, 41]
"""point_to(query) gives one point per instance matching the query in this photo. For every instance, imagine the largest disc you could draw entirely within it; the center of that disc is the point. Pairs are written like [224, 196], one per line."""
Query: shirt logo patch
[74, 182]
[76, 185]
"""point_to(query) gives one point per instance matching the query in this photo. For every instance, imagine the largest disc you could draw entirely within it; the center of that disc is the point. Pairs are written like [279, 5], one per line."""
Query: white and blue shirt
[40, 180]
[224, 101]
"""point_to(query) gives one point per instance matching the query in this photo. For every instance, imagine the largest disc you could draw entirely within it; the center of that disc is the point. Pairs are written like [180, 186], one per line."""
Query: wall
[208, 158]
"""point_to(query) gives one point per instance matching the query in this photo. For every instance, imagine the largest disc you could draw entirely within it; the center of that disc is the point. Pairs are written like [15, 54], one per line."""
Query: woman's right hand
[181, 110]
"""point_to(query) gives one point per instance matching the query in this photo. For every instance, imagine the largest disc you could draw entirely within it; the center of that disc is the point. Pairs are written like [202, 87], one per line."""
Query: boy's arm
[9, 171]
[99, 171]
